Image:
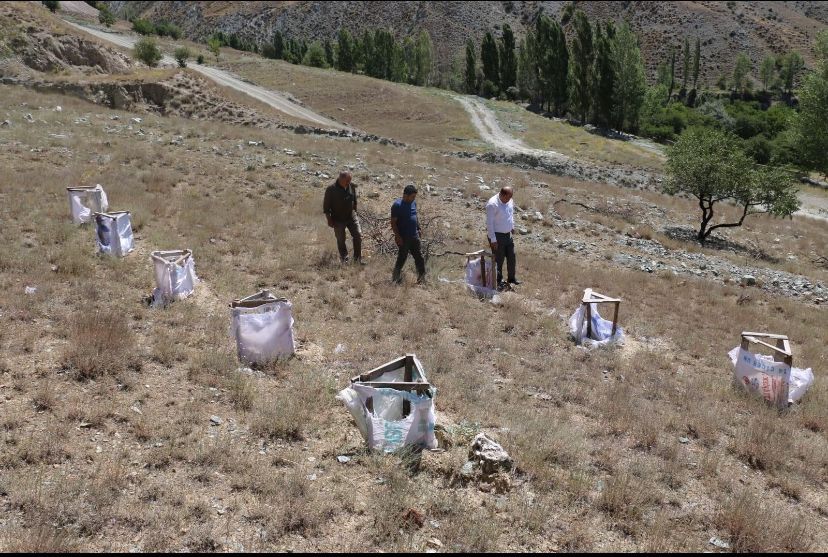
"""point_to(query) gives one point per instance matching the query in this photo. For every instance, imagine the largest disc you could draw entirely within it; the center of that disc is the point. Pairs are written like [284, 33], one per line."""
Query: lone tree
[711, 166]
[147, 52]
[182, 54]
[214, 44]
[471, 68]
[52, 5]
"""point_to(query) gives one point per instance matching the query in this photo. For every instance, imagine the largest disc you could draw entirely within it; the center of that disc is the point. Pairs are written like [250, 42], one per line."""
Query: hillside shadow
[688, 235]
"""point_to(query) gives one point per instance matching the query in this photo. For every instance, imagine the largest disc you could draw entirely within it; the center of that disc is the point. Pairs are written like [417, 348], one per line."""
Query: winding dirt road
[485, 121]
[271, 98]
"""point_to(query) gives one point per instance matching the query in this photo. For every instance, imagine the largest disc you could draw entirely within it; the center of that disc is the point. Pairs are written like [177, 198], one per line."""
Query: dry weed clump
[626, 497]
[756, 524]
[293, 408]
[100, 343]
[766, 443]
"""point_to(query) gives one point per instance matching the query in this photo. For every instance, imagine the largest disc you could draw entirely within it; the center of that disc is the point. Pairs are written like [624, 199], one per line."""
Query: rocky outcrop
[46, 52]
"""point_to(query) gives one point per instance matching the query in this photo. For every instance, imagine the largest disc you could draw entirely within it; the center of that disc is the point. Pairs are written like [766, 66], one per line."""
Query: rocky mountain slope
[757, 28]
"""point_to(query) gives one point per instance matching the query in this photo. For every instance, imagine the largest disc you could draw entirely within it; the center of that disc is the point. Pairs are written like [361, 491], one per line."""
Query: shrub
[489, 89]
[147, 51]
[143, 27]
[214, 44]
[182, 54]
[52, 5]
[100, 343]
[105, 16]
[315, 56]
[167, 29]
[200, 59]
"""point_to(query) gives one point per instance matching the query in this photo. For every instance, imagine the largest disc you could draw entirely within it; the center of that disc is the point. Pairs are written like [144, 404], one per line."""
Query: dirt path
[485, 121]
[221, 77]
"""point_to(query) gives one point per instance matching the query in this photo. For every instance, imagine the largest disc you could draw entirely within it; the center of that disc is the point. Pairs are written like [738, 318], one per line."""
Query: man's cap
[409, 189]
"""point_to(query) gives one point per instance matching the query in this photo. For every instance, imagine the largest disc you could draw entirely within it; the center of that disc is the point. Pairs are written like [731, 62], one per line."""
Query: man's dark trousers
[412, 246]
[356, 235]
[505, 249]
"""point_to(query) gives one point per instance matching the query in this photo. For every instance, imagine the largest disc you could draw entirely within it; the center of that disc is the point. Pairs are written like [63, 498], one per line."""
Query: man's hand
[398, 240]
[493, 246]
[330, 221]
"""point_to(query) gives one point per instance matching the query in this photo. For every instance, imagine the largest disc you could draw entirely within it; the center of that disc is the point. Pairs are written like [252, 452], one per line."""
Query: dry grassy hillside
[107, 439]
[757, 28]
[128, 428]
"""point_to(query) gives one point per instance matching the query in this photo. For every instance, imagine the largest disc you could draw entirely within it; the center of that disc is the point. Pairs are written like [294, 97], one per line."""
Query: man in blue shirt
[407, 233]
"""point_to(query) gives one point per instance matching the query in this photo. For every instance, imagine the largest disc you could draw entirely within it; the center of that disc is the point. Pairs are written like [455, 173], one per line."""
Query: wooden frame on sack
[592, 297]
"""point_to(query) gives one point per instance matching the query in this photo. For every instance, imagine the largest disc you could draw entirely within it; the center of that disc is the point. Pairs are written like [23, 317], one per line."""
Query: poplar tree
[603, 75]
[630, 83]
[471, 68]
[508, 62]
[345, 54]
[423, 58]
[696, 56]
[583, 56]
[490, 60]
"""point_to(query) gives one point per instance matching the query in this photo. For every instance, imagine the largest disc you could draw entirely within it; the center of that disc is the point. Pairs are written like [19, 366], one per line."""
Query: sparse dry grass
[600, 465]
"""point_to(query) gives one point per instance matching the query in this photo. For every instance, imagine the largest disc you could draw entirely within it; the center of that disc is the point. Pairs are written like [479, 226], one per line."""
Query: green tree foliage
[105, 16]
[767, 72]
[182, 54]
[143, 27]
[471, 68]
[278, 42]
[147, 51]
[630, 82]
[214, 44]
[52, 5]
[423, 59]
[790, 66]
[672, 84]
[696, 57]
[329, 53]
[711, 166]
[383, 55]
[526, 69]
[491, 61]
[810, 127]
[740, 72]
[367, 57]
[398, 68]
[549, 55]
[582, 58]
[604, 76]
[167, 29]
[345, 52]
[315, 56]
[508, 62]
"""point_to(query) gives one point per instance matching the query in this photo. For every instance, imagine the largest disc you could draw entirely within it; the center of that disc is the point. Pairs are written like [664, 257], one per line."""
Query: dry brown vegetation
[106, 441]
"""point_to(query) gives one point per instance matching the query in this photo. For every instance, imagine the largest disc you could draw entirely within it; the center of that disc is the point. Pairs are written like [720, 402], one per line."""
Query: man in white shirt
[500, 226]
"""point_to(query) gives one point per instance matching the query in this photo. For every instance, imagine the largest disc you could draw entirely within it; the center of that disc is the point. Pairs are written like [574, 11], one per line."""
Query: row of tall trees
[375, 53]
[598, 76]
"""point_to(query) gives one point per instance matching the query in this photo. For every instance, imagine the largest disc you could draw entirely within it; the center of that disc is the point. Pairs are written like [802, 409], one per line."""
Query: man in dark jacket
[406, 229]
[340, 208]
